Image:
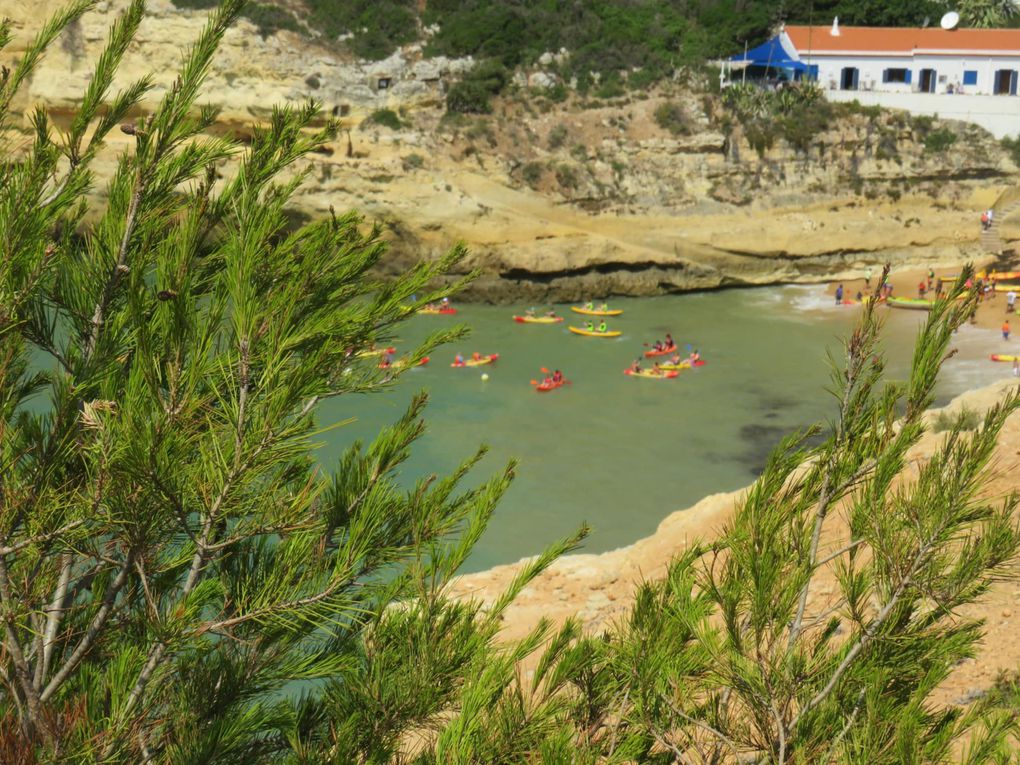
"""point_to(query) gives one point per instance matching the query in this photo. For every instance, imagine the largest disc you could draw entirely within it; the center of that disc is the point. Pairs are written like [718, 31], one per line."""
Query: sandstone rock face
[250, 74]
[579, 199]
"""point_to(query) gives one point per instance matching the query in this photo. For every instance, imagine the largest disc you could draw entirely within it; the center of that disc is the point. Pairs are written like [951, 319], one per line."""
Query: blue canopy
[770, 54]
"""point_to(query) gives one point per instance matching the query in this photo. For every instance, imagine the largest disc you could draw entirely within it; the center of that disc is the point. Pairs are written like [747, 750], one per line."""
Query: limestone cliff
[563, 200]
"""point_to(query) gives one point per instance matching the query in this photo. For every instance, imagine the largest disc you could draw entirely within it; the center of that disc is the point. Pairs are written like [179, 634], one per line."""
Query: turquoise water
[622, 453]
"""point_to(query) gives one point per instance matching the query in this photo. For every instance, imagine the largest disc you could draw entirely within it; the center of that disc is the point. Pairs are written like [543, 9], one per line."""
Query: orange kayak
[663, 352]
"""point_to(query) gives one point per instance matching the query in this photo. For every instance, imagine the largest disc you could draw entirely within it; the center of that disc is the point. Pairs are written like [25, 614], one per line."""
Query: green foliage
[386, 118]
[473, 93]
[797, 114]
[173, 563]
[938, 141]
[986, 13]
[1012, 147]
[271, 18]
[671, 116]
[566, 176]
[532, 173]
[377, 27]
[413, 161]
[965, 419]
[558, 136]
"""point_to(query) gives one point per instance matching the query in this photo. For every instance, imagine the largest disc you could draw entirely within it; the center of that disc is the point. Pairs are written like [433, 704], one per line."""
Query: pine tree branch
[95, 627]
[868, 635]
[33, 720]
[53, 614]
[99, 314]
[41, 538]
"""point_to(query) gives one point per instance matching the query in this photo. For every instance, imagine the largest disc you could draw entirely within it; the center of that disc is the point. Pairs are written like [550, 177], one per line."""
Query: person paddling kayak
[603, 327]
[636, 366]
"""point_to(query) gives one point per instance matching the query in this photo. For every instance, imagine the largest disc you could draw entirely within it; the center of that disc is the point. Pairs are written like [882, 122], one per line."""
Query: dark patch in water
[760, 440]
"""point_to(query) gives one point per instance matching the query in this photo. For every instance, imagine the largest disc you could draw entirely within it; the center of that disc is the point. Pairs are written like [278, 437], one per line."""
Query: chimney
[835, 27]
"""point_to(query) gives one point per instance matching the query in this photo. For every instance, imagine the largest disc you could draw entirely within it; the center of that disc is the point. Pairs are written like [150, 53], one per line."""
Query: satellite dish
[950, 20]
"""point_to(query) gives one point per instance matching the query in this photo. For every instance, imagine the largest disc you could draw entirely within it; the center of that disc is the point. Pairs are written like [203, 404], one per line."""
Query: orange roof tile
[905, 41]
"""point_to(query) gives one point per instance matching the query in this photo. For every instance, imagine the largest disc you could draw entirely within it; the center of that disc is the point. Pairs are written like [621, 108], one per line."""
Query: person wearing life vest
[590, 305]
[589, 325]
[602, 326]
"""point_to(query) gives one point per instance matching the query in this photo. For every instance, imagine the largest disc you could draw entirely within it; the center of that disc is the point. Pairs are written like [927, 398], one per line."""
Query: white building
[966, 74]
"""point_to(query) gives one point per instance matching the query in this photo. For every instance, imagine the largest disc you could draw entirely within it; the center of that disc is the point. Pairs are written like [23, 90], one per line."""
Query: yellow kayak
[677, 367]
[587, 333]
[665, 375]
[593, 312]
[477, 362]
[538, 319]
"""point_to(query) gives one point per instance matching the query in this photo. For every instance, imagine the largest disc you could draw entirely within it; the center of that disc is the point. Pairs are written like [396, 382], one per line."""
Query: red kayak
[546, 387]
[663, 352]
[442, 311]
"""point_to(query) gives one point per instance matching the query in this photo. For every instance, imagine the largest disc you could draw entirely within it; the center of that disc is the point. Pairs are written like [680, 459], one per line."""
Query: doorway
[1005, 82]
[849, 78]
[926, 83]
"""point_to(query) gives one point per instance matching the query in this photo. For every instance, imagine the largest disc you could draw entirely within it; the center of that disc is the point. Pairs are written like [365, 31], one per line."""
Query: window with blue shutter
[970, 77]
[896, 75]
[906, 78]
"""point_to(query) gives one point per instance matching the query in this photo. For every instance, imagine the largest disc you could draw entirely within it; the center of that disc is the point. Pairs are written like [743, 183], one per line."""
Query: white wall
[1000, 115]
[951, 67]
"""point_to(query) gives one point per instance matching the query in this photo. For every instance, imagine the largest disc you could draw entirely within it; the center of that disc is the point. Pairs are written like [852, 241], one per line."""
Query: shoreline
[598, 588]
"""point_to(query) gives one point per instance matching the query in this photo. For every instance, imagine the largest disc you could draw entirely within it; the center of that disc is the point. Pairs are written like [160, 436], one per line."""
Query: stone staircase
[1006, 205]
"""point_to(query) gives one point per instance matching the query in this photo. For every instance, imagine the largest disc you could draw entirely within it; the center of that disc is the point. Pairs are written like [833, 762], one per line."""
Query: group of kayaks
[550, 382]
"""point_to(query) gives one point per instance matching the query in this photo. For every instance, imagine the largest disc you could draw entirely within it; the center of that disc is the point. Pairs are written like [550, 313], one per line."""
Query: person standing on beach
[1016, 367]
[1010, 301]
[1005, 330]
[867, 277]
[839, 295]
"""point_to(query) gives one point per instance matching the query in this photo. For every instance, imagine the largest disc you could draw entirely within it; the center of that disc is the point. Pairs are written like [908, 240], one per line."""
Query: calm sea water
[622, 453]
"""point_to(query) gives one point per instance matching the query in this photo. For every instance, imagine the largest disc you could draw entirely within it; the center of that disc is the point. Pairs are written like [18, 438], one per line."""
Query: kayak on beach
[538, 319]
[596, 312]
[594, 333]
[666, 374]
[1004, 357]
[915, 303]
[481, 360]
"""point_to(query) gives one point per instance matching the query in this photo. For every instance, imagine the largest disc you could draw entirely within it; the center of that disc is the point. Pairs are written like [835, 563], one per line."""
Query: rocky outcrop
[583, 198]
